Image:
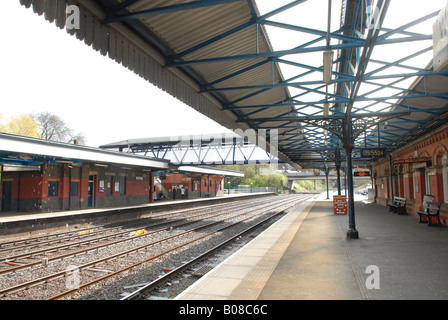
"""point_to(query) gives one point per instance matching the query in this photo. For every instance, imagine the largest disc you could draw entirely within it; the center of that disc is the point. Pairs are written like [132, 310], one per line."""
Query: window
[427, 181]
[445, 178]
[53, 188]
[109, 181]
[415, 182]
[101, 187]
[122, 185]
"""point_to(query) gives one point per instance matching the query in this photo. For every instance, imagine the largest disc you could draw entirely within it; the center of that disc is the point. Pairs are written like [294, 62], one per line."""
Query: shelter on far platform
[39, 175]
[191, 182]
[42, 176]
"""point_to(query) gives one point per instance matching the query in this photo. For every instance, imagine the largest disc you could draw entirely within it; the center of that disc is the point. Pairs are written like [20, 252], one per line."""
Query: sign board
[361, 173]
[440, 40]
[340, 204]
[368, 153]
[412, 160]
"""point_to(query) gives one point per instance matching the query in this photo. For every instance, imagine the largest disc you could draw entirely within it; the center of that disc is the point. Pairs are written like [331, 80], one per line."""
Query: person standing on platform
[182, 192]
[174, 192]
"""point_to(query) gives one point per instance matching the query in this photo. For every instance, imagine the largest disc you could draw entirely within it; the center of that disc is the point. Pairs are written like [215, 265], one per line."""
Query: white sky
[42, 68]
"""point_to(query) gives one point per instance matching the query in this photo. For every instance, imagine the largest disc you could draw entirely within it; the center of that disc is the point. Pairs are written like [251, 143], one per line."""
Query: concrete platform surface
[306, 256]
[12, 216]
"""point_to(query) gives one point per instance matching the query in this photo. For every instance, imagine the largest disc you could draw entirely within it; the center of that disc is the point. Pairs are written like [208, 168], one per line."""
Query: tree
[51, 127]
[78, 138]
[23, 125]
[257, 175]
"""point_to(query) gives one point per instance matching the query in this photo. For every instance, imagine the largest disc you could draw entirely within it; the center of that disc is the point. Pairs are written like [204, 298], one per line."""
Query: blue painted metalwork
[305, 93]
[161, 10]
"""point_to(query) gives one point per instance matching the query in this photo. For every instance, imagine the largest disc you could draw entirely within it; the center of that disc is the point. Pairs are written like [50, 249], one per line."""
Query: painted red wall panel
[31, 187]
[137, 188]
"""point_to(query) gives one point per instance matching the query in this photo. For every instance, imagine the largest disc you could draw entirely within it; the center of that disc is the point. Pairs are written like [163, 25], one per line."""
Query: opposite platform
[25, 223]
[306, 255]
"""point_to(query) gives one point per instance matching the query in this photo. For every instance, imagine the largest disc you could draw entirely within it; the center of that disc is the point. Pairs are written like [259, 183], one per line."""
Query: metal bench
[431, 214]
[392, 205]
[398, 205]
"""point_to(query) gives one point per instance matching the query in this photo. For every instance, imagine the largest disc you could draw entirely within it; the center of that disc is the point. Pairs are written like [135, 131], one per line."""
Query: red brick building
[43, 176]
[418, 169]
[195, 185]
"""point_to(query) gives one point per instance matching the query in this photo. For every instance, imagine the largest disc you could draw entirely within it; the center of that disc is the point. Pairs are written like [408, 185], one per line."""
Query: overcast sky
[42, 68]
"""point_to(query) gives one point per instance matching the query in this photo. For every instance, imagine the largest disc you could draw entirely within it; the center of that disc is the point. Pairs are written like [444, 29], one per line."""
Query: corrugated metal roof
[25, 149]
[211, 170]
[210, 54]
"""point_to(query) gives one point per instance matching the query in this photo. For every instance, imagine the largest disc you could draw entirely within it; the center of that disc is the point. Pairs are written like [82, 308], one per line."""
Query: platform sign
[361, 173]
[372, 153]
[340, 204]
[440, 40]
[412, 160]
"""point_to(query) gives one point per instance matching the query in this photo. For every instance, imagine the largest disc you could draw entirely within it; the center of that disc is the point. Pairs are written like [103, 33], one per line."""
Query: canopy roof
[18, 150]
[223, 58]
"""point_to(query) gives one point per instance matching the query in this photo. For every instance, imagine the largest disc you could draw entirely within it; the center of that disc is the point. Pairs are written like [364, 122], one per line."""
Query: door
[109, 183]
[91, 191]
[7, 196]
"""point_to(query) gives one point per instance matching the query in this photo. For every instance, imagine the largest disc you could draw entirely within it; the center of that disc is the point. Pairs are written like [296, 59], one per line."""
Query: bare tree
[78, 138]
[52, 127]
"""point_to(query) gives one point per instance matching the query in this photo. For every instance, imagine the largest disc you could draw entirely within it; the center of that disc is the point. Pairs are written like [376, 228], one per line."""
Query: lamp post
[348, 145]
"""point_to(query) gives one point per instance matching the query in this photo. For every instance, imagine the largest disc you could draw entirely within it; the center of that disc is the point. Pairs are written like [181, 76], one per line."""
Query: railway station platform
[306, 256]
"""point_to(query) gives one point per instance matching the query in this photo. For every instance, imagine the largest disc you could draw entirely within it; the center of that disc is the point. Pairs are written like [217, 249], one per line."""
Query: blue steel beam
[291, 51]
[206, 87]
[202, 45]
[354, 41]
[120, 6]
[363, 98]
[347, 78]
[334, 81]
[167, 9]
[314, 68]
[397, 62]
[322, 118]
[371, 41]
[219, 37]
[407, 26]
[335, 35]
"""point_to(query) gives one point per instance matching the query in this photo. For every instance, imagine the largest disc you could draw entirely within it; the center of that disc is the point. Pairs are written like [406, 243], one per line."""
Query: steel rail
[98, 239]
[151, 286]
[194, 213]
[162, 253]
[57, 275]
[58, 237]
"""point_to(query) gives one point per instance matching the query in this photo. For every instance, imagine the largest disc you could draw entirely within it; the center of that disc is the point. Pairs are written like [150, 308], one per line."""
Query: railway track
[107, 255]
[102, 234]
[7, 246]
[144, 291]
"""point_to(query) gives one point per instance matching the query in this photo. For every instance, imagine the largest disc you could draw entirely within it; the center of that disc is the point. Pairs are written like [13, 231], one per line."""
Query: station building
[45, 176]
[197, 182]
[414, 171]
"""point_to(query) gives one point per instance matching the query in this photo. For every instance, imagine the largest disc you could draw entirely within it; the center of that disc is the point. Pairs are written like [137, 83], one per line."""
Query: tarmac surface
[307, 256]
